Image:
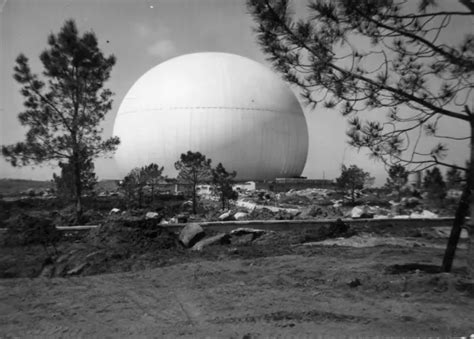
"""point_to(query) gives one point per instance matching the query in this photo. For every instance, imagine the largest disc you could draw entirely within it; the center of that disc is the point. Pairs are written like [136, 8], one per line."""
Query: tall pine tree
[63, 111]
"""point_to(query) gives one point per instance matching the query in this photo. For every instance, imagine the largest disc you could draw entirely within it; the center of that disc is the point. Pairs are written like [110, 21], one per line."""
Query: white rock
[246, 204]
[423, 215]
[225, 216]
[240, 215]
[356, 212]
[114, 211]
[151, 215]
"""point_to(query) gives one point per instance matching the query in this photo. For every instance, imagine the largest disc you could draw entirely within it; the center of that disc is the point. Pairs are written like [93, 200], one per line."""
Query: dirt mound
[141, 234]
[113, 247]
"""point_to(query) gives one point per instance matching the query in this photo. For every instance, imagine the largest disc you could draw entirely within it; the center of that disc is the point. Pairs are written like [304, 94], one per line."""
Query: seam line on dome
[206, 107]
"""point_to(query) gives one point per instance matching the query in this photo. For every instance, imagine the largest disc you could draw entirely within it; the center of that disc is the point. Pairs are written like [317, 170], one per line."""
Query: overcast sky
[144, 33]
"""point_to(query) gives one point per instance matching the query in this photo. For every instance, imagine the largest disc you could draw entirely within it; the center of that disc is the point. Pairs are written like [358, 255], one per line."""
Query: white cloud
[157, 38]
[162, 48]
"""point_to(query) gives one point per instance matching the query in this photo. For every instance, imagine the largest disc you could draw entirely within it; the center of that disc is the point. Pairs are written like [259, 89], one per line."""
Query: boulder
[114, 211]
[357, 212]
[226, 216]
[240, 215]
[152, 215]
[219, 238]
[191, 234]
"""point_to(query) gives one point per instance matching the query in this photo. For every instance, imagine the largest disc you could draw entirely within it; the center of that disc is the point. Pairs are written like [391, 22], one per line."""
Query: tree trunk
[194, 198]
[78, 187]
[459, 218]
[466, 204]
[470, 223]
[140, 196]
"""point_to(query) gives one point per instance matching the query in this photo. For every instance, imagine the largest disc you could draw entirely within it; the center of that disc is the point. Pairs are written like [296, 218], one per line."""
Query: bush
[28, 230]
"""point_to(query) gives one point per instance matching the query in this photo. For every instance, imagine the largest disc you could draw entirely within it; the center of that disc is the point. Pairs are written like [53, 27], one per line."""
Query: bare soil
[271, 287]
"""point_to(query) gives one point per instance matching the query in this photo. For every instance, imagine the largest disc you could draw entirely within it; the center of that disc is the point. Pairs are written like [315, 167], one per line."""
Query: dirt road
[333, 291]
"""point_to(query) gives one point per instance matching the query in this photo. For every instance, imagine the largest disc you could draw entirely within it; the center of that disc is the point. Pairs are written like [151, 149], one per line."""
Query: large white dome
[229, 108]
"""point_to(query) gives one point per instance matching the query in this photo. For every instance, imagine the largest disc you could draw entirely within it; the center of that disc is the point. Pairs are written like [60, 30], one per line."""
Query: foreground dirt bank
[321, 290]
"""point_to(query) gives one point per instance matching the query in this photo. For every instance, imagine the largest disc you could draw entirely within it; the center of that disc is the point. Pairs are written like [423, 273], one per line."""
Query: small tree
[222, 181]
[434, 184]
[454, 178]
[153, 176]
[193, 169]
[64, 182]
[397, 178]
[352, 179]
[63, 112]
[133, 185]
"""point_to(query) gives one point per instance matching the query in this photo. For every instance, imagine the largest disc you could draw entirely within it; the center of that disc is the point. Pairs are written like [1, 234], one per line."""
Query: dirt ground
[306, 291]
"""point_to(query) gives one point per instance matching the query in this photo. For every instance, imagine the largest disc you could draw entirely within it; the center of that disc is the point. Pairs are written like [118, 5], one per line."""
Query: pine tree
[397, 177]
[193, 169]
[133, 185]
[63, 111]
[434, 184]
[454, 178]
[222, 181]
[65, 181]
[389, 56]
[353, 178]
[153, 176]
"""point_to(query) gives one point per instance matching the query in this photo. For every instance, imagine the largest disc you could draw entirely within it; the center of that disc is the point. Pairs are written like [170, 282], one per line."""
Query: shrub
[29, 230]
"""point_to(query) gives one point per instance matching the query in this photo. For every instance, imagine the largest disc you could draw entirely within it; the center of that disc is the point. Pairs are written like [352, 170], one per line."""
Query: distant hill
[15, 186]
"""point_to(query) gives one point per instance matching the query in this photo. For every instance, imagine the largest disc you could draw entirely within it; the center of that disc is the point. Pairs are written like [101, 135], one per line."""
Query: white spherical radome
[230, 108]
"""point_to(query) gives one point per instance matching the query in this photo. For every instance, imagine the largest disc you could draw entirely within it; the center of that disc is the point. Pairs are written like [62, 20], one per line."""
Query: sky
[144, 33]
